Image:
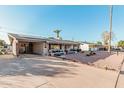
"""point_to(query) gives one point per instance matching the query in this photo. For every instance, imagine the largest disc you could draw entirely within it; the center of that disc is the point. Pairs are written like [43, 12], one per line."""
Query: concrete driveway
[36, 72]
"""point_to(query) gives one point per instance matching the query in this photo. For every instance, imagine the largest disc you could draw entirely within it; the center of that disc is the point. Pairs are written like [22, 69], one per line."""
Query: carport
[23, 44]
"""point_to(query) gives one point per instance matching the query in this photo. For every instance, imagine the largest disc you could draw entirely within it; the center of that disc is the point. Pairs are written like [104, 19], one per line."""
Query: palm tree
[106, 37]
[57, 33]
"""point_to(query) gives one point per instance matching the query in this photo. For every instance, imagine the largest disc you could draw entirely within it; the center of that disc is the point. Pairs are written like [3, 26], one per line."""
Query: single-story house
[25, 44]
[86, 46]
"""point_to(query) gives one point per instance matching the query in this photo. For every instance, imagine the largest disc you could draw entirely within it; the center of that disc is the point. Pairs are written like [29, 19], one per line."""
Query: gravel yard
[100, 60]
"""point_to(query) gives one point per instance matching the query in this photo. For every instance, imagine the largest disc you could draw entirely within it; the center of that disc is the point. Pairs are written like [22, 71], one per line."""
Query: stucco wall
[22, 48]
[63, 47]
[38, 48]
[15, 49]
[45, 49]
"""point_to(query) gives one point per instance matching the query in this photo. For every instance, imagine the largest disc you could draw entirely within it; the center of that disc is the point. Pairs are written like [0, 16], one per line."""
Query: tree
[105, 37]
[57, 33]
[60, 38]
[99, 43]
[54, 38]
[2, 42]
[51, 38]
[121, 43]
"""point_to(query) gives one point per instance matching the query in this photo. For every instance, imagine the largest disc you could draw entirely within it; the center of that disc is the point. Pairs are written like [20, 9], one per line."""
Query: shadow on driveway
[34, 66]
[122, 72]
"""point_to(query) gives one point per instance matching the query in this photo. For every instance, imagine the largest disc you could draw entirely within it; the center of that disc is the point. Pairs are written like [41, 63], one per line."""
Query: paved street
[36, 71]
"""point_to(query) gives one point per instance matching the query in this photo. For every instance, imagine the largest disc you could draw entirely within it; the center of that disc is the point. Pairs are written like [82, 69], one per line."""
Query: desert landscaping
[102, 59]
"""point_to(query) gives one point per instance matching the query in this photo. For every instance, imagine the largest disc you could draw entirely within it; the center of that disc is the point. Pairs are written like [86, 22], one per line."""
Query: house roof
[29, 38]
[85, 42]
[90, 43]
[58, 41]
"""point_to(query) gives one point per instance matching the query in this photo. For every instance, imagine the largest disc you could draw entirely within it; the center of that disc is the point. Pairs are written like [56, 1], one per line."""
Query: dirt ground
[33, 71]
[101, 59]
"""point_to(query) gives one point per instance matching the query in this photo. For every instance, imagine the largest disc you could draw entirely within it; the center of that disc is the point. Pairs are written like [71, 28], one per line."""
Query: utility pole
[110, 33]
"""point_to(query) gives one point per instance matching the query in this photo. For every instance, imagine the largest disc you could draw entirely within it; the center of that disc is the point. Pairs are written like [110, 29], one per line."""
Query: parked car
[72, 51]
[56, 52]
[62, 52]
[122, 50]
[116, 49]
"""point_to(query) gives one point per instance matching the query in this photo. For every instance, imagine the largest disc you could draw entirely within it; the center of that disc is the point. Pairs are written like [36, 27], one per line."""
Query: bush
[2, 51]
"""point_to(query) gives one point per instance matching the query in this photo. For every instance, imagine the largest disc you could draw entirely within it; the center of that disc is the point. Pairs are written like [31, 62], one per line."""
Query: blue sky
[82, 23]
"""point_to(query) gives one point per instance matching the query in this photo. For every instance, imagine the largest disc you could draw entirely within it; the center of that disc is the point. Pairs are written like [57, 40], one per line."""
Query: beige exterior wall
[45, 49]
[69, 47]
[63, 47]
[22, 48]
[15, 49]
[38, 48]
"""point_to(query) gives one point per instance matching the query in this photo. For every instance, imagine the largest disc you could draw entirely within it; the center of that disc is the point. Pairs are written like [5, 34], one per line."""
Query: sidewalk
[120, 83]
